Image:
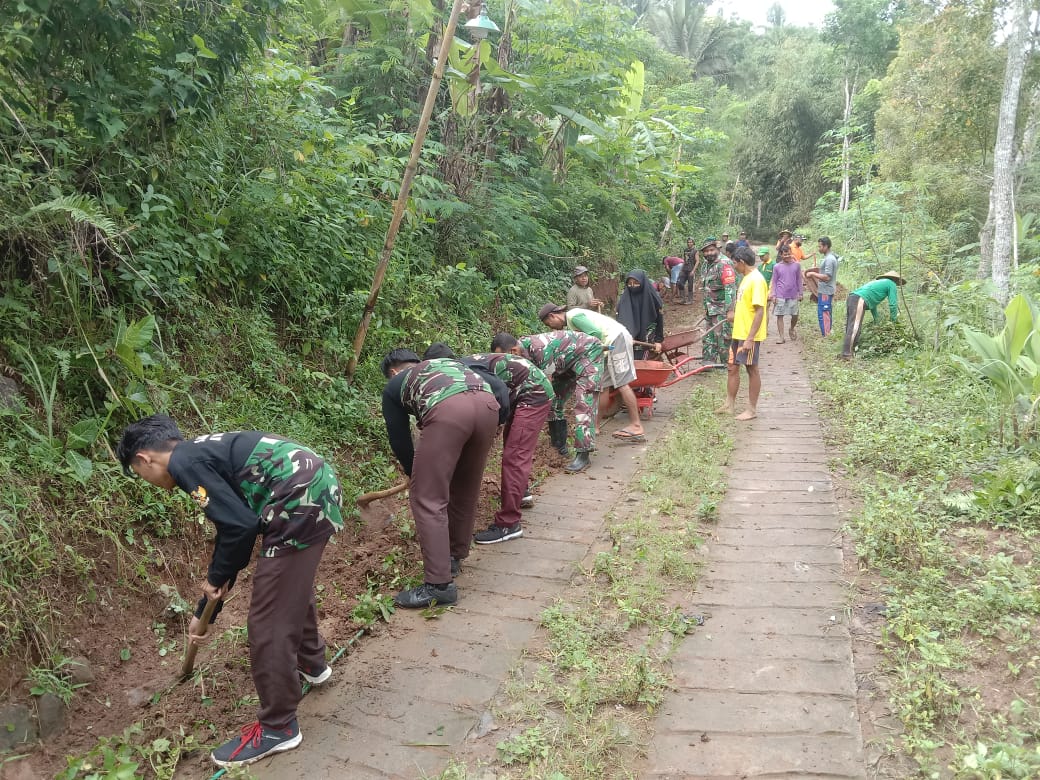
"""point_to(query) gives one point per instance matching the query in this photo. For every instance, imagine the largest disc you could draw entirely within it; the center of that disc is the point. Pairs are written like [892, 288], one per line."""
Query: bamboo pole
[406, 185]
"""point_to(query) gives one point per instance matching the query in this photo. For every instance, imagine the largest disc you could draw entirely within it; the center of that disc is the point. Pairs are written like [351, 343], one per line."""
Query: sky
[798, 12]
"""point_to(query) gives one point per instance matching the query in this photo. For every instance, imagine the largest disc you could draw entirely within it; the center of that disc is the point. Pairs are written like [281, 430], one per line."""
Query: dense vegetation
[194, 197]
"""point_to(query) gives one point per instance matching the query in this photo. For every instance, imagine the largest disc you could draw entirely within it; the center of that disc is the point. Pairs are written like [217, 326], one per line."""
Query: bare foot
[793, 336]
[750, 414]
[724, 409]
[782, 340]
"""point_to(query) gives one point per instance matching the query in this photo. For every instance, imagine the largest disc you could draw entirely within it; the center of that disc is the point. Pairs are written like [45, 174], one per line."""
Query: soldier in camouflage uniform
[253, 484]
[530, 396]
[719, 282]
[458, 411]
[573, 361]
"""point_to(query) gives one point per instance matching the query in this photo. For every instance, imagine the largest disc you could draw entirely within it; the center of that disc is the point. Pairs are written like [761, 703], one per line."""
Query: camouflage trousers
[583, 383]
[716, 342]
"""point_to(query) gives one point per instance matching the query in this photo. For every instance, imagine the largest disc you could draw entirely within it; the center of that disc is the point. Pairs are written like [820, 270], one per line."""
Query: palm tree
[683, 27]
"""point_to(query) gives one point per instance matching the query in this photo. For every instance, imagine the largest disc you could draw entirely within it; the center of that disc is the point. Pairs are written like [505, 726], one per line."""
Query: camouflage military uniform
[458, 412]
[719, 283]
[251, 483]
[528, 385]
[573, 361]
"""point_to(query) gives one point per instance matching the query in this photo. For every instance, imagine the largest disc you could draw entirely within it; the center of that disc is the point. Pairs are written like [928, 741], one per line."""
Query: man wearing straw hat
[869, 296]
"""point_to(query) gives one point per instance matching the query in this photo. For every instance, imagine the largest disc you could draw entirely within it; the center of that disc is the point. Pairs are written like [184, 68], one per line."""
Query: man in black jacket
[252, 484]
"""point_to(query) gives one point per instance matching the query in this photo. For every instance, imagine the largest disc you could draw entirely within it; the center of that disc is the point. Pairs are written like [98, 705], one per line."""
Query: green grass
[950, 526]
[580, 703]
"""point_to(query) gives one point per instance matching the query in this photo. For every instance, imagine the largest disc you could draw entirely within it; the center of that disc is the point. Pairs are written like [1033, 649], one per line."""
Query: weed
[53, 679]
[372, 606]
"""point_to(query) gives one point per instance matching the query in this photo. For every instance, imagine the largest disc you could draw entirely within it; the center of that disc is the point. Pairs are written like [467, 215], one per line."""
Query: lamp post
[479, 28]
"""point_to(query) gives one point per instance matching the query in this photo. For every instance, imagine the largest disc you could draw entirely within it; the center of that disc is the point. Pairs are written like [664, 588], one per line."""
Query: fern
[81, 209]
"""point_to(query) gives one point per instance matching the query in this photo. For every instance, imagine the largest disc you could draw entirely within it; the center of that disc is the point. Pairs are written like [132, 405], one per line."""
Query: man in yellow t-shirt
[749, 331]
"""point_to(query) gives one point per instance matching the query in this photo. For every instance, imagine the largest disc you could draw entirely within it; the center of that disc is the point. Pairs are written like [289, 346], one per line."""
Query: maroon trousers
[283, 632]
[446, 474]
[519, 442]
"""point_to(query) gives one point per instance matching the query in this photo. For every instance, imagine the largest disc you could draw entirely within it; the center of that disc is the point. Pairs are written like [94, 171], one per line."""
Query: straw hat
[785, 231]
[894, 277]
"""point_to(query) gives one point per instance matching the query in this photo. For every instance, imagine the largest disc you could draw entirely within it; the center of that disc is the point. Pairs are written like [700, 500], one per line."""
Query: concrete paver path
[766, 688]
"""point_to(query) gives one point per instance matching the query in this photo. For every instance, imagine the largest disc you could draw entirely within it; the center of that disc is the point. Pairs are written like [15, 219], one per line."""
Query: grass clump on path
[578, 704]
[957, 570]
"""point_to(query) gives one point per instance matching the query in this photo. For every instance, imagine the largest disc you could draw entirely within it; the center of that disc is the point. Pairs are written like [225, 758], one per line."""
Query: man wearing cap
[868, 297]
[580, 294]
[783, 240]
[723, 240]
[620, 368]
[742, 239]
[720, 285]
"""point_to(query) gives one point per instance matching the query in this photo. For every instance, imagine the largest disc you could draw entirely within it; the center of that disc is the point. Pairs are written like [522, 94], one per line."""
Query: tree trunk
[1001, 201]
[846, 147]
[674, 198]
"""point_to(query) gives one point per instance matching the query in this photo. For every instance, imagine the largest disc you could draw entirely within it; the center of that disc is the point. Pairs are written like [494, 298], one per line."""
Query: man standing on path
[868, 297]
[580, 295]
[572, 361]
[688, 275]
[458, 413]
[621, 369]
[742, 239]
[787, 289]
[826, 277]
[720, 283]
[253, 484]
[749, 331]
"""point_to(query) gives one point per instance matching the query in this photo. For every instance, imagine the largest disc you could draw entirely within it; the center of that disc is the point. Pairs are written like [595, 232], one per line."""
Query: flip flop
[626, 435]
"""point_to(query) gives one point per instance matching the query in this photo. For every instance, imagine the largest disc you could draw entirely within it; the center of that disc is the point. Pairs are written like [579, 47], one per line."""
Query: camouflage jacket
[250, 483]
[562, 351]
[415, 391]
[528, 385]
[720, 285]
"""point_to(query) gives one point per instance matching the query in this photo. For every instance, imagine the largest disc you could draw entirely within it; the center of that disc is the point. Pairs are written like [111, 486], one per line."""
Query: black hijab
[640, 310]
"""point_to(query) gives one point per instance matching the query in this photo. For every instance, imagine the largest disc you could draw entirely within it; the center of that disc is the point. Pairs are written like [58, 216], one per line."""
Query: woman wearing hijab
[640, 311]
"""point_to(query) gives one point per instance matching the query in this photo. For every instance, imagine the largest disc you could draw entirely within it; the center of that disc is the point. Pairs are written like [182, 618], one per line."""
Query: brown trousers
[283, 632]
[446, 474]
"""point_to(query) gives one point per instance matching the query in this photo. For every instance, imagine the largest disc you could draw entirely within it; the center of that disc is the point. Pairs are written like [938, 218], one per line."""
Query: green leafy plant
[1010, 362]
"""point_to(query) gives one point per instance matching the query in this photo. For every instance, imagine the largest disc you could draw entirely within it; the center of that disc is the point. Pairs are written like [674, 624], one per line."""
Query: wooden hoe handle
[367, 498]
[189, 654]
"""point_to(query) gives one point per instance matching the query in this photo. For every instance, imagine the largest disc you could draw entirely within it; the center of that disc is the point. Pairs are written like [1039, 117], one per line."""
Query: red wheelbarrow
[650, 375]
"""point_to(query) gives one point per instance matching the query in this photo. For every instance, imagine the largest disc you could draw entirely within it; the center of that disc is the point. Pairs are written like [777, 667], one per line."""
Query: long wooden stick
[406, 185]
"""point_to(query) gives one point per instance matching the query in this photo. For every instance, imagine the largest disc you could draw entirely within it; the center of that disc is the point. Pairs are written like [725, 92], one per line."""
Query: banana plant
[1010, 362]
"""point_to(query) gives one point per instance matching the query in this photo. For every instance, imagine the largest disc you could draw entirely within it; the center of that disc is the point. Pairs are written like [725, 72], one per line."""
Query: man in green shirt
[621, 369]
[869, 296]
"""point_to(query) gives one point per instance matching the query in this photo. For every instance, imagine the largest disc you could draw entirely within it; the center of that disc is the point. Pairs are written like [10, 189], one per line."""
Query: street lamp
[481, 25]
